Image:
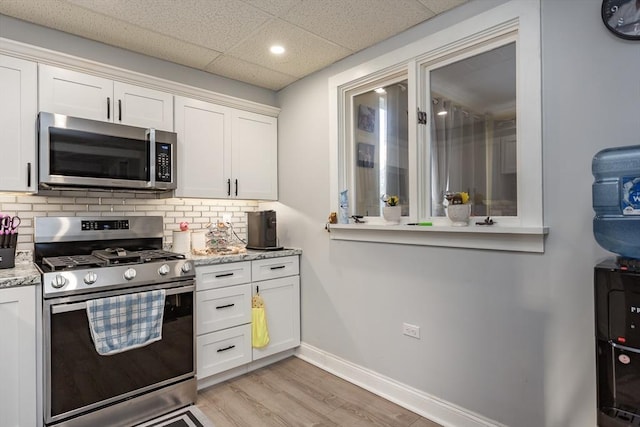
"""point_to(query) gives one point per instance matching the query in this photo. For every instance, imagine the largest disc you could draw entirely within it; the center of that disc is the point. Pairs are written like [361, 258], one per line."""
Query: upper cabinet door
[18, 112]
[204, 153]
[75, 94]
[139, 106]
[254, 156]
[83, 95]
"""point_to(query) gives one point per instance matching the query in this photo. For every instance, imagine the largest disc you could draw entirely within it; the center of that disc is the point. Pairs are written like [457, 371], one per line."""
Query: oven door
[78, 380]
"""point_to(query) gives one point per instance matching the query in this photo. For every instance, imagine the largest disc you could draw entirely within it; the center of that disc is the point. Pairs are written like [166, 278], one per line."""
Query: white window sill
[493, 237]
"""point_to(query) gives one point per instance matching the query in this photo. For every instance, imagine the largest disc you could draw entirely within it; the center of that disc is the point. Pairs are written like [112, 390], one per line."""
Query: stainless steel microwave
[82, 153]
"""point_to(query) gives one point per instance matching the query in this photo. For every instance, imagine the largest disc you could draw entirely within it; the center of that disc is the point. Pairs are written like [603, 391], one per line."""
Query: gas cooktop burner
[117, 256]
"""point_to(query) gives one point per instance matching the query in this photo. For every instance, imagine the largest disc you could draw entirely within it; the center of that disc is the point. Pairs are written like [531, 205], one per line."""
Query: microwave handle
[150, 135]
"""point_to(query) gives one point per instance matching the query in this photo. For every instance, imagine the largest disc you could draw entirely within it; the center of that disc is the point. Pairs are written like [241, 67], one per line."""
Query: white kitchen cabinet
[18, 356]
[77, 94]
[224, 152]
[223, 319]
[281, 298]
[18, 113]
[254, 156]
[223, 350]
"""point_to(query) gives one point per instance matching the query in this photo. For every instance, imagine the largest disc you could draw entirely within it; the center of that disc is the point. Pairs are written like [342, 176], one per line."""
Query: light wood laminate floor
[293, 392]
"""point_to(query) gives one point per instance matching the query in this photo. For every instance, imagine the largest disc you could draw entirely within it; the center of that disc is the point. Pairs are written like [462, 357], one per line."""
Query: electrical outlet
[412, 331]
[226, 218]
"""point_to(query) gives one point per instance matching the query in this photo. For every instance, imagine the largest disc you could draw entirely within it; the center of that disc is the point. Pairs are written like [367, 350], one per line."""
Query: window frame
[347, 150]
[517, 19]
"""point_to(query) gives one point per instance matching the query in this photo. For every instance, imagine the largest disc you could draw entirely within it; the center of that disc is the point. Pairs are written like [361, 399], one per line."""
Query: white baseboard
[437, 410]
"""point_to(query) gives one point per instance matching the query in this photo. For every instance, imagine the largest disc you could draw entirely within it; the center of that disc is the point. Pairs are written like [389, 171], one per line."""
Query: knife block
[7, 257]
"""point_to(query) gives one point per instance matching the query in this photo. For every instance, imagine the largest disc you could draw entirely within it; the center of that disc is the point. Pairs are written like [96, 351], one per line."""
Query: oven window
[85, 154]
[80, 376]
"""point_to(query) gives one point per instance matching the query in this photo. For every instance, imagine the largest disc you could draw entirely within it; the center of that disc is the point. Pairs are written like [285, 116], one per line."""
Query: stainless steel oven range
[85, 260]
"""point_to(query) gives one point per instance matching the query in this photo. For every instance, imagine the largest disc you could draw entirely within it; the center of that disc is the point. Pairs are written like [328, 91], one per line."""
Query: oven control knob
[186, 267]
[164, 270]
[58, 281]
[90, 278]
[130, 274]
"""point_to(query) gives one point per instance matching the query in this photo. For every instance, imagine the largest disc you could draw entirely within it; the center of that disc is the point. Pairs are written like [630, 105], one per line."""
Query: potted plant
[391, 210]
[458, 208]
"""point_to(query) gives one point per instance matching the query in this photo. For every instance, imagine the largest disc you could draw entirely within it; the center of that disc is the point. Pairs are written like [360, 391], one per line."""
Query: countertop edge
[250, 255]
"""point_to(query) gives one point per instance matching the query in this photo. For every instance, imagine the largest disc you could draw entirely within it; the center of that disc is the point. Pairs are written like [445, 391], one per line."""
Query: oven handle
[65, 308]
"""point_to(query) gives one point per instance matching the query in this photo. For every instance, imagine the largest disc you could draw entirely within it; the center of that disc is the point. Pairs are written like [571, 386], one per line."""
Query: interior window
[379, 156]
[473, 131]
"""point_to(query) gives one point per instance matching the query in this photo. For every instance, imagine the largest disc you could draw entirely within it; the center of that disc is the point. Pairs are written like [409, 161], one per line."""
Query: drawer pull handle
[226, 348]
[224, 275]
[224, 306]
[278, 267]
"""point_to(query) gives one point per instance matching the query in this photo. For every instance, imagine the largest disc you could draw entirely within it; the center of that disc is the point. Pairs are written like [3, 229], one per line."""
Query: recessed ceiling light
[380, 90]
[277, 50]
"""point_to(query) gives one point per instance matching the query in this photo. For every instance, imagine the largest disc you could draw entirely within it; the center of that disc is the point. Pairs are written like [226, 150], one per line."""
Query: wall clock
[622, 18]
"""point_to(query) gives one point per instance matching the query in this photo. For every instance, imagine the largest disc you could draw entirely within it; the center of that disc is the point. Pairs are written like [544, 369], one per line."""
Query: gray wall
[506, 335]
[36, 35]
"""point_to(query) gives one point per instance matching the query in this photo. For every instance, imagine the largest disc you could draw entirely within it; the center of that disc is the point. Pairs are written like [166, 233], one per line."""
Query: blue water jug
[616, 200]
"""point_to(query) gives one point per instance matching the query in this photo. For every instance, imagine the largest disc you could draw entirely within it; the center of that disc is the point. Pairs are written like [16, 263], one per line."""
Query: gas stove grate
[158, 255]
[72, 262]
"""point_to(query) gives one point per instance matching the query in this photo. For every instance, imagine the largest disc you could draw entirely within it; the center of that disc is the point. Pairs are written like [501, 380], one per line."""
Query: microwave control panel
[163, 162]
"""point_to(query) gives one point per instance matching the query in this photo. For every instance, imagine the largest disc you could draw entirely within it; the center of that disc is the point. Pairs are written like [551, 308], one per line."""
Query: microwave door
[85, 158]
[86, 153]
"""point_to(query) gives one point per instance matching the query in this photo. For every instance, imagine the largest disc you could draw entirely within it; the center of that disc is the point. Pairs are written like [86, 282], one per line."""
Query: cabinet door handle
[119, 110]
[29, 174]
[226, 348]
[224, 306]
[108, 108]
[229, 187]
[279, 267]
[223, 275]
[236, 188]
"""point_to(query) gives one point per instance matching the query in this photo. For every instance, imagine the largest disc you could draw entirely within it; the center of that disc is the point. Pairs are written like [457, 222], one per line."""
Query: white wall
[506, 335]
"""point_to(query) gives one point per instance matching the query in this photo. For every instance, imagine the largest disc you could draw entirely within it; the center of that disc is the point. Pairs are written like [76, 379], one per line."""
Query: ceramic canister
[182, 242]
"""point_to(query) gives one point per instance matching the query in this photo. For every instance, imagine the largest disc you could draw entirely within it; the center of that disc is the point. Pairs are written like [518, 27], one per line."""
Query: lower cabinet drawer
[223, 350]
[223, 308]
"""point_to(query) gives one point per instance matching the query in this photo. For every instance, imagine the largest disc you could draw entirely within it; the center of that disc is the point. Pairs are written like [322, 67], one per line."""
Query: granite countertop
[250, 255]
[24, 273]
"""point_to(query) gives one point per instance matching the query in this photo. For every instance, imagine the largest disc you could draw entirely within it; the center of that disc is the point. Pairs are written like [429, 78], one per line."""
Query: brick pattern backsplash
[197, 212]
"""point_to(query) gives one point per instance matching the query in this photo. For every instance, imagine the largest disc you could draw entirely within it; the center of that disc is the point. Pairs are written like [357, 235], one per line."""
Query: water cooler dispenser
[616, 227]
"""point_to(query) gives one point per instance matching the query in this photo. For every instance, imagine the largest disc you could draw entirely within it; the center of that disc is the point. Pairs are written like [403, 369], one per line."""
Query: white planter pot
[459, 214]
[392, 214]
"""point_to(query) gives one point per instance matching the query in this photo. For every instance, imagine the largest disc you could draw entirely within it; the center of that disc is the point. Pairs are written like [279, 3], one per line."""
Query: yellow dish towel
[259, 330]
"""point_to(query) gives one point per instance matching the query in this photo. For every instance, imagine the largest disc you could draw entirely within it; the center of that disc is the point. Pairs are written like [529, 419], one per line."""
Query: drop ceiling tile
[357, 24]
[439, 6]
[274, 7]
[216, 25]
[62, 16]
[305, 52]
[251, 73]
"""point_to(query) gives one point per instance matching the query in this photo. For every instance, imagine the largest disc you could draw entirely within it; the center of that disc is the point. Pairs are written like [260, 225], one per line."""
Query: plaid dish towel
[125, 322]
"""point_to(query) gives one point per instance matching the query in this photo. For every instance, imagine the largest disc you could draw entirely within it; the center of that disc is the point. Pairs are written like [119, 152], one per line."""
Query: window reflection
[380, 147]
[473, 132]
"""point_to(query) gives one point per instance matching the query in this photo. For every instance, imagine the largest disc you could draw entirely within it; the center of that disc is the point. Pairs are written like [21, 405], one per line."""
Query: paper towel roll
[198, 241]
[181, 242]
